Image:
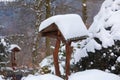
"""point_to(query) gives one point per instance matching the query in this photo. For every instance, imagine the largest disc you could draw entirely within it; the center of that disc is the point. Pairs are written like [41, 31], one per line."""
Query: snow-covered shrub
[103, 45]
[105, 59]
[4, 46]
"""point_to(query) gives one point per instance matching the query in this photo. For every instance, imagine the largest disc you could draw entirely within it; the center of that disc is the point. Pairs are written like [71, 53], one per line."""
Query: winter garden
[97, 57]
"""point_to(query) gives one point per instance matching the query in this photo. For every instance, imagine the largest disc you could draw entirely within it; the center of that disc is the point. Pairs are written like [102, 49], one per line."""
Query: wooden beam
[55, 56]
[50, 33]
[53, 34]
[68, 56]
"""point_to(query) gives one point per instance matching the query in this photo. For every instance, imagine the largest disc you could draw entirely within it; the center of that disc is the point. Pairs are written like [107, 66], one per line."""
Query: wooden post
[55, 56]
[13, 60]
[13, 64]
[68, 56]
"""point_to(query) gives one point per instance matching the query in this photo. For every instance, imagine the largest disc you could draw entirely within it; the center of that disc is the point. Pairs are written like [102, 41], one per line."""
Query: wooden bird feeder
[14, 49]
[66, 28]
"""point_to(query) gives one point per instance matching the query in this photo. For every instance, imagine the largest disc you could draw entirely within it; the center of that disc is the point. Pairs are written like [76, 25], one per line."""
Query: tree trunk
[48, 14]
[84, 11]
[37, 8]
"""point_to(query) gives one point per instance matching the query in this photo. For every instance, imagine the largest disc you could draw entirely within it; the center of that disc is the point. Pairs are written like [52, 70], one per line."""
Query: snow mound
[48, 62]
[93, 75]
[42, 77]
[106, 25]
[1, 77]
[84, 75]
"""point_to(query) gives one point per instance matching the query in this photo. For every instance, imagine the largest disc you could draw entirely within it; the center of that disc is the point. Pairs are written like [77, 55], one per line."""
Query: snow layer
[93, 75]
[118, 59]
[42, 77]
[48, 61]
[3, 42]
[70, 25]
[84, 75]
[1, 77]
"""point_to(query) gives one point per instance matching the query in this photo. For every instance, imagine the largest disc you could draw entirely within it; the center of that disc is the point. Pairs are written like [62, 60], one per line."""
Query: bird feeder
[66, 28]
[14, 49]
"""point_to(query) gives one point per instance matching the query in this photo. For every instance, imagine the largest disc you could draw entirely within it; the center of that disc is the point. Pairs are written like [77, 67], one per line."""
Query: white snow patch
[3, 42]
[92, 45]
[42, 77]
[105, 38]
[1, 77]
[118, 59]
[93, 75]
[79, 53]
[112, 67]
[48, 61]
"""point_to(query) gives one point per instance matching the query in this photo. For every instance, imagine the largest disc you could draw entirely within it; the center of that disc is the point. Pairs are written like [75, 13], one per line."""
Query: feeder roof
[71, 26]
[14, 48]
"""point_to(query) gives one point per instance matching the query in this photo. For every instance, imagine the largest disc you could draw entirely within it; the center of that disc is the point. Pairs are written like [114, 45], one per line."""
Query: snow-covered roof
[14, 46]
[70, 25]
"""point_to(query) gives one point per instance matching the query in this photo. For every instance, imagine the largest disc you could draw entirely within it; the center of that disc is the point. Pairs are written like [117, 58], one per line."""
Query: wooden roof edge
[75, 39]
[53, 24]
[46, 32]
[52, 33]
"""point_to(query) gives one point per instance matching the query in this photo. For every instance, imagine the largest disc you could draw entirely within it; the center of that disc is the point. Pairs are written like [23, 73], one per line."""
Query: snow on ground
[48, 62]
[70, 25]
[42, 77]
[83, 75]
[1, 77]
[93, 75]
